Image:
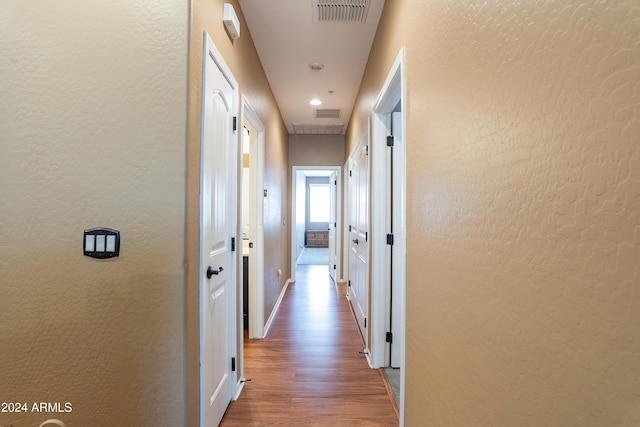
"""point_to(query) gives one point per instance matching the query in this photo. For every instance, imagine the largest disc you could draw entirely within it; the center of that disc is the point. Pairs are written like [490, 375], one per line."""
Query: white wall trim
[276, 307]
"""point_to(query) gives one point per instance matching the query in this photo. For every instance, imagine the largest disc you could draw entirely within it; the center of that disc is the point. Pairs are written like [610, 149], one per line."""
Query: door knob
[212, 272]
[355, 241]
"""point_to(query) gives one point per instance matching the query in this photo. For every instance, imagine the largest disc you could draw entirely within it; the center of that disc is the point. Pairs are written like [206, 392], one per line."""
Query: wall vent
[317, 129]
[327, 113]
[340, 10]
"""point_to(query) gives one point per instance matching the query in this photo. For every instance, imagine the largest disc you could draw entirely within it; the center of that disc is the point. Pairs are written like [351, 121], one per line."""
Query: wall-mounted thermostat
[101, 243]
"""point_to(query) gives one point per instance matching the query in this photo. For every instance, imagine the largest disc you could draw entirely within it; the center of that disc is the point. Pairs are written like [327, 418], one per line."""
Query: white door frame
[250, 119]
[392, 93]
[334, 249]
[338, 171]
[344, 215]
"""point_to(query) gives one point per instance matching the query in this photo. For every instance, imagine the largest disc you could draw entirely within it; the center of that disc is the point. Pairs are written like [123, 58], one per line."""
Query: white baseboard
[276, 307]
[239, 390]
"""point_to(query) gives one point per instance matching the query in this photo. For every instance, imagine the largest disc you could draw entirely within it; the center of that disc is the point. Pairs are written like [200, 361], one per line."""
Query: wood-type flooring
[309, 371]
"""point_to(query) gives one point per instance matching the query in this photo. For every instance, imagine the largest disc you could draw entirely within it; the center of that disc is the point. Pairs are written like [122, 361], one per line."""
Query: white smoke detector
[231, 22]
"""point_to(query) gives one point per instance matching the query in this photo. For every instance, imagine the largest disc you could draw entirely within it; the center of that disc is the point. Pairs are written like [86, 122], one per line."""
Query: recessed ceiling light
[315, 102]
[316, 66]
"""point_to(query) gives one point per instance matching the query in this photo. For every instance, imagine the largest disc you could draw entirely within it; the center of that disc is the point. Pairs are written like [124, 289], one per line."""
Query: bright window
[319, 203]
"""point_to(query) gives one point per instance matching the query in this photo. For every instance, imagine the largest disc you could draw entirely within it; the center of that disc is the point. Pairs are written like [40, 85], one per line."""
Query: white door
[333, 255]
[217, 227]
[359, 236]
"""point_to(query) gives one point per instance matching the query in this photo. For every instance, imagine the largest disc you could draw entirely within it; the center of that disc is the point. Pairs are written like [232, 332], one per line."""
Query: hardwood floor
[308, 371]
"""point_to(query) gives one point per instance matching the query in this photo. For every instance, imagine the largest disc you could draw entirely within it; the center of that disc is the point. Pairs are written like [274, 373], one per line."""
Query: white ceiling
[288, 40]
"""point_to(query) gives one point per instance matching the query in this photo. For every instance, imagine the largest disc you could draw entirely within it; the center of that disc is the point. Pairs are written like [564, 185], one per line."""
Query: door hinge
[366, 236]
[335, 225]
[389, 239]
[233, 244]
[349, 283]
[366, 150]
[350, 173]
[233, 364]
[389, 338]
[365, 322]
[390, 141]
[334, 266]
[235, 123]
[349, 228]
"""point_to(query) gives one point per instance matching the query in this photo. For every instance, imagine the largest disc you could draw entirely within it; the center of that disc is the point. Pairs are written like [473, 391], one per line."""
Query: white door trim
[392, 93]
[344, 215]
[338, 171]
[250, 119]
[334, 247]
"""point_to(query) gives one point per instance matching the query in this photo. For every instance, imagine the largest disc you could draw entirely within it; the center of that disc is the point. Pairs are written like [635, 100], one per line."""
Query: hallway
[308, 370]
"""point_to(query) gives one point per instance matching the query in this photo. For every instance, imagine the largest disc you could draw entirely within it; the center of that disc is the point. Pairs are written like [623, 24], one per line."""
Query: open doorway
[389, 226]
[315, 224]
[252, 223]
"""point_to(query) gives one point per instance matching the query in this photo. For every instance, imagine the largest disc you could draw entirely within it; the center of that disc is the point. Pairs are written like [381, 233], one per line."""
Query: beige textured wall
[316, 150]
[92, 133]
[241, 57]
[523, 168]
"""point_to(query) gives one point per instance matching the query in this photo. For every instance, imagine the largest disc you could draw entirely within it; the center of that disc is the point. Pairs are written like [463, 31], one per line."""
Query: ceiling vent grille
[327, 113]
[317, 129]
[340, 10]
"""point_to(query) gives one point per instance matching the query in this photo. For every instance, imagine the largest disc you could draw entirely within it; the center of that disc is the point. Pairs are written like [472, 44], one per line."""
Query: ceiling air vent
[327, 113]
[340, 10]
[317, 129]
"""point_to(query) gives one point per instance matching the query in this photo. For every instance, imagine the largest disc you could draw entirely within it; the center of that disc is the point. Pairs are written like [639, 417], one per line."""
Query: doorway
[252, 179]
[389, 227]
[315, 222]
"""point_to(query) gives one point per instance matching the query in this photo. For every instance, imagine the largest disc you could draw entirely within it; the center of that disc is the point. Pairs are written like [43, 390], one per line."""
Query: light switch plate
[101, 243]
